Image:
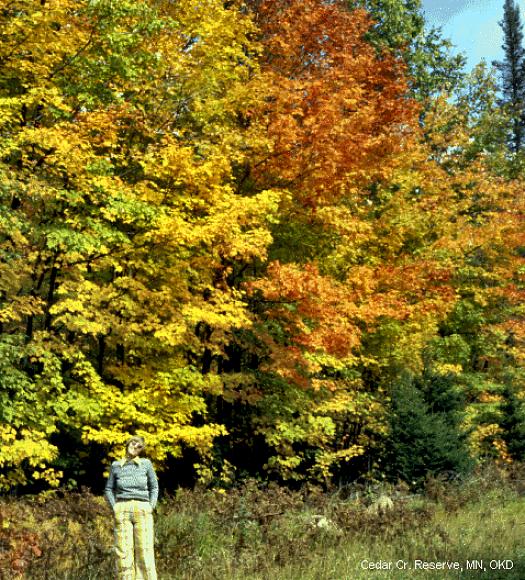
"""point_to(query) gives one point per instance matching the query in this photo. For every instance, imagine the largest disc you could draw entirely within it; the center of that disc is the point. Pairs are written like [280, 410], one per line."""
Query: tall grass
[267, 532]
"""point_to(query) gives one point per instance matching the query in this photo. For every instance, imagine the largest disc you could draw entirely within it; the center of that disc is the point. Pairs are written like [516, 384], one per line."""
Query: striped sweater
[132, 479]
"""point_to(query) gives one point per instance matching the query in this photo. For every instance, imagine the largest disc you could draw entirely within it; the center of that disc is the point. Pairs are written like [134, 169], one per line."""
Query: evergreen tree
[425, 429]
[513, 422]
[512, 73]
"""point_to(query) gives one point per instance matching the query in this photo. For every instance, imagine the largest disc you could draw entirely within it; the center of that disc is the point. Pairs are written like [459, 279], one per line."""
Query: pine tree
[512, 71]
[425, 429]
[513, 422]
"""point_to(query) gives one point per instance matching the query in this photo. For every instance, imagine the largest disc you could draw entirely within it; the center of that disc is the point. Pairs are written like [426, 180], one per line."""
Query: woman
[132, 490]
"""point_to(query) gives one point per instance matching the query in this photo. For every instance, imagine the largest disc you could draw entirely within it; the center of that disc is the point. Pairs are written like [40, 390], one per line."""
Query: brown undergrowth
[249, 531]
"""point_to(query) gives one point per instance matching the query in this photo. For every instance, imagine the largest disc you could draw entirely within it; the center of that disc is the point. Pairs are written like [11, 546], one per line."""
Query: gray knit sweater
[132, 479]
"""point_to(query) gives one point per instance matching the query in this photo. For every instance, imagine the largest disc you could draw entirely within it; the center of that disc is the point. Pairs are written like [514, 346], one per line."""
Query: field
[268, 532]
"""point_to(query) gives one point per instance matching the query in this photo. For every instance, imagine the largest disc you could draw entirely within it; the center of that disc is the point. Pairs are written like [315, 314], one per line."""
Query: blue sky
[472, 25]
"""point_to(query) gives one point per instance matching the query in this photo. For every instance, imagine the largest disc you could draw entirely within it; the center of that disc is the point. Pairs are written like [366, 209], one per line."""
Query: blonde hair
[138, 438]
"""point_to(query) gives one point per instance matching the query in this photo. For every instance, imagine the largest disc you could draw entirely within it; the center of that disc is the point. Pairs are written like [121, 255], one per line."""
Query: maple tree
[399, 26]
[468, 140]
[223, 226]
[352, 287]
[117, 160]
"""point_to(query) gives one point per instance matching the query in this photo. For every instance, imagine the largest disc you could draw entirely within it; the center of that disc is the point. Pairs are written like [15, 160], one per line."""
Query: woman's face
[134, 448]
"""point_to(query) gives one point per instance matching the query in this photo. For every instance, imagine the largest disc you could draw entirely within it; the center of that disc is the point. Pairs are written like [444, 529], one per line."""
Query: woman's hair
[138, 438]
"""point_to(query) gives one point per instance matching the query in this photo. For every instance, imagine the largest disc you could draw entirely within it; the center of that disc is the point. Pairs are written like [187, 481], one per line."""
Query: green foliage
[481, 116]
[513, 418]
[115, 172]
[425, 430]
[224, 227]
[400, 27]
[512, 71]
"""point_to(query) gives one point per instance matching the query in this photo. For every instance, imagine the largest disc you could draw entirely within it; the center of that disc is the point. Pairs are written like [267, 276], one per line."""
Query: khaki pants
[134, 541]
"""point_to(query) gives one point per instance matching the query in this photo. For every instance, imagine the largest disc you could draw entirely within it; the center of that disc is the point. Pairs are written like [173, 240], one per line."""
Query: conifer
[512, 72]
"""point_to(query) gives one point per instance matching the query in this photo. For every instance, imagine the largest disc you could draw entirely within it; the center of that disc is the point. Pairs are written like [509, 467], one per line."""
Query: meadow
[260, 531]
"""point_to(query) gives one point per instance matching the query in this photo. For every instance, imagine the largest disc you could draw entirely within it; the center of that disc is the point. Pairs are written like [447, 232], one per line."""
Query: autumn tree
[353, 288]
[119, 135]
[223, 226]
[401, 243]
[399, 26]
[467, 139]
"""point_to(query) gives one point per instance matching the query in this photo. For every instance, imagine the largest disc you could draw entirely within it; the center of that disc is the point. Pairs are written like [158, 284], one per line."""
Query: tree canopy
[229, 228]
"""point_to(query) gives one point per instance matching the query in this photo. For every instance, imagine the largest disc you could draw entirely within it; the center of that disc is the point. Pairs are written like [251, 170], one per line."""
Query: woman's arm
[153, 485]
[109, 492]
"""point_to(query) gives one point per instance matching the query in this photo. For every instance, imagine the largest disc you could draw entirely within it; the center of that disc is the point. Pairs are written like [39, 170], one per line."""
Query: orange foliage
[336, 112]
[316, 312]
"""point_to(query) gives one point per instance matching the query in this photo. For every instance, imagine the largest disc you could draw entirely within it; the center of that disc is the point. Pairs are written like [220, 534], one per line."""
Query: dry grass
[274, 533]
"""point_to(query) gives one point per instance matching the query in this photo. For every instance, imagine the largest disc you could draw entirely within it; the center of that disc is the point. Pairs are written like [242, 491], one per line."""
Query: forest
[281, 240]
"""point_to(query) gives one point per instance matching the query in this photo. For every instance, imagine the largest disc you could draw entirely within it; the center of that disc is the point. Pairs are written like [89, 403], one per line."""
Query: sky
[471, 25]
